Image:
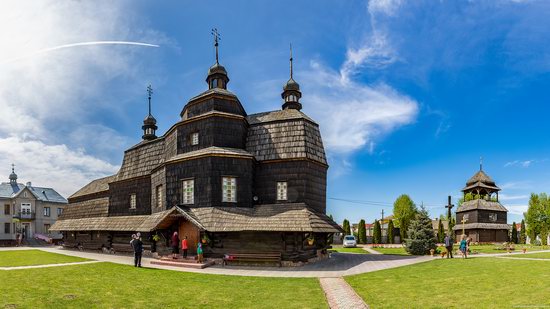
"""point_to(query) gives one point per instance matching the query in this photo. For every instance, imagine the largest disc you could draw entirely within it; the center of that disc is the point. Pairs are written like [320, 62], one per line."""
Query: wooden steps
[179, 262]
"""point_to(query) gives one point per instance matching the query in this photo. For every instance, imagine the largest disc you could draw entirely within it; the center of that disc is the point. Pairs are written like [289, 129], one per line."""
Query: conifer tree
[514, 234]
[362, 232]
[377, 233]
[346, 227]
[390, 232]
[421, 237]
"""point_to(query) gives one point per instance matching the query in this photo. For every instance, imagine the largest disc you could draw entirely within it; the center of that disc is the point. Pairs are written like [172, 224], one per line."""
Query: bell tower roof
[13, 175]
[149, 123]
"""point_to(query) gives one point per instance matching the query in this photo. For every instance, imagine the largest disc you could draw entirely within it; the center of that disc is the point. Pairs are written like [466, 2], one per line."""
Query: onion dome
[13, 175]
[149, 123]
[217, 75]
[291, 91]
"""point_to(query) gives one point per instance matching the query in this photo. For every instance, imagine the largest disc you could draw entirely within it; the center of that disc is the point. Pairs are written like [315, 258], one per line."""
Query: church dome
[149, 120]
[291, 85]
[217, 69]
[13, 176]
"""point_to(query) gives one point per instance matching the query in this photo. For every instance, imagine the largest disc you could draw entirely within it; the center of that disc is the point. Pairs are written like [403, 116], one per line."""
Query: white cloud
[54, 166]
[352, 114]
[388, 7]
[516, 209]
[506, 197]
[51, 89]
[523, 163]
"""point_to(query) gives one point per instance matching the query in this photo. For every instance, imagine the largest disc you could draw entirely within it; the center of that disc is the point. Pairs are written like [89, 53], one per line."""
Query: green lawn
[540, 255]
[348, 250]
[106, 285]
[34, 257]
[392, 251]
[458, 283]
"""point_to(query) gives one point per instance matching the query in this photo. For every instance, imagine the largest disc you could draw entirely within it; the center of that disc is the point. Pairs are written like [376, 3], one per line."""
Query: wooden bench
[126, 248]
[92, 245]
[253, 257]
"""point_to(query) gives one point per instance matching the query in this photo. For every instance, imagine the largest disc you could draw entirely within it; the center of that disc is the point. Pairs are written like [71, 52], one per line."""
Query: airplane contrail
[47, 50]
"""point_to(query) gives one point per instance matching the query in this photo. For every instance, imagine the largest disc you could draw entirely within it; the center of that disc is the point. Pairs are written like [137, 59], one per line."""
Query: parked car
[350, 241]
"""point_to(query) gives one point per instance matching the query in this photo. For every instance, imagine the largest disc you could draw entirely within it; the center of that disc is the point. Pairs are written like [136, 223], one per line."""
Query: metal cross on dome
[149, 92]
[217, 38]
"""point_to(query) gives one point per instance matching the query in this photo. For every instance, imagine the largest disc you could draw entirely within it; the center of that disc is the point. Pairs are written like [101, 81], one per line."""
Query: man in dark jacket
[137, 244]
[449, 246]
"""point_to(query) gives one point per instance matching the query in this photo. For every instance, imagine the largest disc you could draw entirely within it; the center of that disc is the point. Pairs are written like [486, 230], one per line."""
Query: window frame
[187, 199]
[285, 192]
[133, 201]
[47, 212]
[233, 191]
[7, 209]
[192, 138]
[47, 228]
[7, 228]
[59, 211]
[158, 196]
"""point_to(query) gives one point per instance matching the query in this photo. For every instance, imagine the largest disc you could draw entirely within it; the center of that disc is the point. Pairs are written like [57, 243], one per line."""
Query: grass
[348, 250]
[458, 283]
[34, 257]
[540, 255]
[107, 285]
[392, 251]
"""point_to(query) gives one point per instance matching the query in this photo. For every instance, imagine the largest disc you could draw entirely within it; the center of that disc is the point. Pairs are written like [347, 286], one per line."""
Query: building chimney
[29, 184]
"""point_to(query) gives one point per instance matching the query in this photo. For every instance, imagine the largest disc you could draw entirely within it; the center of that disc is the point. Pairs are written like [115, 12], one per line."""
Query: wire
[379, 204]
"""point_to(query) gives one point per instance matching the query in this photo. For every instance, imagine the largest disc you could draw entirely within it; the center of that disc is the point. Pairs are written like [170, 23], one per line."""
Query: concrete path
[371, 251]
[505, 254]
[340, 295]
[339, 265]
[47, 265]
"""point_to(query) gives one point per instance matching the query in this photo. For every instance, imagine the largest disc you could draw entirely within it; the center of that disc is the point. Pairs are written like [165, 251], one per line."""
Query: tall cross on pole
[449, 206]
[480, 163]
[382, 216]
[149, 92]
[217, 38]
[13, 168]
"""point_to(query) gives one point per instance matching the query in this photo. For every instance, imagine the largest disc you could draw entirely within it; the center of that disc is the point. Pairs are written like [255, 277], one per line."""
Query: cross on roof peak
[149, 92]
[217, 38]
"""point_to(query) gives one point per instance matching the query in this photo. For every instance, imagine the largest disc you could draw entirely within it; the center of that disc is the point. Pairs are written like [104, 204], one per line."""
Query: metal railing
[25, 215]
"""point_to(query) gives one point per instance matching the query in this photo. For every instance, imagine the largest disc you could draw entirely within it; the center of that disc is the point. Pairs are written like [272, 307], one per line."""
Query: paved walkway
[340, 295]
[338, 265]
[47, 265]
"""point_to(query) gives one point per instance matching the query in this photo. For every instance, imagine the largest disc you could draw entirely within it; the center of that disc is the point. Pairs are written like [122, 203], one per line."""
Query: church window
[493, 217]
[188, 194]
[281, 191]
[229, 189]
[159, 196]
[47, 211]
[465, 217]
[195, 138]
[133, 201]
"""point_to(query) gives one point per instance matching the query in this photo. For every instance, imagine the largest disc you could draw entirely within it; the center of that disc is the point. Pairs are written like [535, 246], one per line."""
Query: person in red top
[184, 246]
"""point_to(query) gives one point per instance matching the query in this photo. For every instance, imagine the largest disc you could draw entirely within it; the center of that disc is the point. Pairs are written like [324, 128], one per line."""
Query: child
[463, 246]
[184, 247]
[199, 253]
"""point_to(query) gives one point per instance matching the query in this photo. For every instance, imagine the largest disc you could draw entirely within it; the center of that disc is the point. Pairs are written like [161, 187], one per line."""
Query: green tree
[377, 233]
[537, 216]
[404, 211]
[346, 227]
[362, 232]
[440, 232]
[522, 233]
[421, 237]
[514, 234]
[390, 232]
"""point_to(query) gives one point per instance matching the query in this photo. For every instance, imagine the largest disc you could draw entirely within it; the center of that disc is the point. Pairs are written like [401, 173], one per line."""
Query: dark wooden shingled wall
[207, 173]
[227, 105]
[306, 182]
[482, 216]
[213, 131]
[119, 194]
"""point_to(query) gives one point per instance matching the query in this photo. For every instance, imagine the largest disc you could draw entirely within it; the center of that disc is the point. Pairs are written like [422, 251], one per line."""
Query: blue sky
[408, 94]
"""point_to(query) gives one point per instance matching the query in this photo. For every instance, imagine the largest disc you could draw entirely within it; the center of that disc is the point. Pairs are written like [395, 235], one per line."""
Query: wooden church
[481, 216]
[236, 182]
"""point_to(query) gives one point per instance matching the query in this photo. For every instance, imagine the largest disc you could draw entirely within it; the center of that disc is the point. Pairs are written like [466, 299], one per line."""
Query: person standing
[199, 253]
[184, 246]
[175, 245]
[137, 244]
[449, 246]
[463, 245]
[132, 241]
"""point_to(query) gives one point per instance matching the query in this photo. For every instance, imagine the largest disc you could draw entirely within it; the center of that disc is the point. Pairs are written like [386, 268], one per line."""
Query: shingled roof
[95, 186]
[285, 134]
[141, 159]
[9, 190]
[481, 180]
[293, 217]
[210, 151]
[481, 204]
[98, 207]
[143, 223]
[484, 226]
